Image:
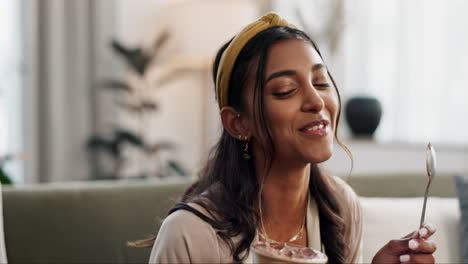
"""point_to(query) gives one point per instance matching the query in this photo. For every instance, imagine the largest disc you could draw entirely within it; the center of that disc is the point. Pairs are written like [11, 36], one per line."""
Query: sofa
[90, 222]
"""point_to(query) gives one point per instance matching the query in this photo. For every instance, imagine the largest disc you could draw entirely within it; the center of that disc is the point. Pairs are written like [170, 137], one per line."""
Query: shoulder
[348, 192]
[184, 220]
[353, 220]
[350, 198]
[185, 237]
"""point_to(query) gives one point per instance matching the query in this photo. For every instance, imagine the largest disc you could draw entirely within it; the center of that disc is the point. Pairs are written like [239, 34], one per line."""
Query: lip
[321, 131]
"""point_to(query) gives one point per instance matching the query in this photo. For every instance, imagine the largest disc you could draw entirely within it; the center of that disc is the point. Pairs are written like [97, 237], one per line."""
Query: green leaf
[5, 158]
[127, 136]
[158, 147]
[4, 179]
[100, 143]
[135, 58]
[161, 40]
[143, 106]
[174, 165]
[116, 85]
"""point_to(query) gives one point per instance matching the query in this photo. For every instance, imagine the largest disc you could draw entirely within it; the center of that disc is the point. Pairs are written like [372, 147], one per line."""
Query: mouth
[316, 128]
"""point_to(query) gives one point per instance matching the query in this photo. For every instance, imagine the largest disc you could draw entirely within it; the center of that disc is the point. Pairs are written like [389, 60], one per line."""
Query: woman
[280, 110]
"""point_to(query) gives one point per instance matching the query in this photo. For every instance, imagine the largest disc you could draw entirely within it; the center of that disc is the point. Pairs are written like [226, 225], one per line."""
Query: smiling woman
[301, 102]
[263, 183]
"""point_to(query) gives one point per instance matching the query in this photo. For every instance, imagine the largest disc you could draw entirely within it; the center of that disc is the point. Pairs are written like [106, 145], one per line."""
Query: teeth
[316, 127]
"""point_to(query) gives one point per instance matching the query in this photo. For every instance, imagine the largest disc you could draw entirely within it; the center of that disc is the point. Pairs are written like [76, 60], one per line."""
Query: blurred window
[10, 82]
[413, 56]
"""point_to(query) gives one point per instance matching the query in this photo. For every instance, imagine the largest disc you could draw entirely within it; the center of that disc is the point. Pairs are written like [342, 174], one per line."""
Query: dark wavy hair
[228, 186]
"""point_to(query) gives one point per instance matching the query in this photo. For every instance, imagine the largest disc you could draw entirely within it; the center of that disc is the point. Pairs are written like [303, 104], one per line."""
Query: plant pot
[363, 114]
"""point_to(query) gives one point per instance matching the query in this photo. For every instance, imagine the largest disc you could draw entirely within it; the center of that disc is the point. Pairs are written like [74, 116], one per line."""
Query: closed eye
[282, 94]
[323, 85]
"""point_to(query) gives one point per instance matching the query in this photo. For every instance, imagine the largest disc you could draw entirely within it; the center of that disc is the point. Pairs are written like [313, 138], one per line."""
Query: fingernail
[430, 226]
[413, 244]
[423, 231]
[404, 258]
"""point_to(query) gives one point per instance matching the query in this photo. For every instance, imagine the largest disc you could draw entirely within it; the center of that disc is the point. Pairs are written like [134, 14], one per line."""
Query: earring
[246, 154]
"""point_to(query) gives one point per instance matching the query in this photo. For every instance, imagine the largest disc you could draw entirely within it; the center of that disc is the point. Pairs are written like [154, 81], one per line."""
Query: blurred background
[119, 89]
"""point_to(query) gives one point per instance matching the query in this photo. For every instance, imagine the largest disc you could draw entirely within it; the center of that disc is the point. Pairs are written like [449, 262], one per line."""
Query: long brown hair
[228, 187]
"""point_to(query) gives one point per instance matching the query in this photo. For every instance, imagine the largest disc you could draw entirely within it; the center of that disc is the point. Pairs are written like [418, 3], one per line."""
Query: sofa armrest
[393, 218]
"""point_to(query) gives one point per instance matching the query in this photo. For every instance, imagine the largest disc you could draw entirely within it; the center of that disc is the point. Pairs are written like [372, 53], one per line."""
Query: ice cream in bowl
[277, 252]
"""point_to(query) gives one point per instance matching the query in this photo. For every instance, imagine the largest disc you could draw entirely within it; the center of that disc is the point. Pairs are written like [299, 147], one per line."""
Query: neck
[284, 199]
[285, 187]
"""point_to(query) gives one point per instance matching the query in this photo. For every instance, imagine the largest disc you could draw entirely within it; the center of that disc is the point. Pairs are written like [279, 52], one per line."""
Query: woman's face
[301, 103]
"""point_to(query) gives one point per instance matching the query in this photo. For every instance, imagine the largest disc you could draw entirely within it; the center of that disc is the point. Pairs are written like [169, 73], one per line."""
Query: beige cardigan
[185, 238]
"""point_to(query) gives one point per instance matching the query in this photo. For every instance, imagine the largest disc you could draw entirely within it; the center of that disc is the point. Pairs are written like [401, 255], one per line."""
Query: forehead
[291, 54]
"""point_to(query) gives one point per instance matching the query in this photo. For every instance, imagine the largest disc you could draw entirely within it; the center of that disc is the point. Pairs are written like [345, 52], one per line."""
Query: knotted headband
[231, 53]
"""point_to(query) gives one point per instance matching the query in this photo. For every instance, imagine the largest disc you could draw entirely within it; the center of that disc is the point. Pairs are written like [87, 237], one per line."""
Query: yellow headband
[231, 53]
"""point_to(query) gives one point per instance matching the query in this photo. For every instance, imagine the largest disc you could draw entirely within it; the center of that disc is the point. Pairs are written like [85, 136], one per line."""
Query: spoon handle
[423, 214]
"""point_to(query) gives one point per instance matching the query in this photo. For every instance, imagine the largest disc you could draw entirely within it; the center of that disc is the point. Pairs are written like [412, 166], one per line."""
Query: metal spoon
[431, 164]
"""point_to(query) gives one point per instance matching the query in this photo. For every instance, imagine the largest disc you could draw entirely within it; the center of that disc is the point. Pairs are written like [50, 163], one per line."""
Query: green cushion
[89, 223]
[461, 181]
[401, 185]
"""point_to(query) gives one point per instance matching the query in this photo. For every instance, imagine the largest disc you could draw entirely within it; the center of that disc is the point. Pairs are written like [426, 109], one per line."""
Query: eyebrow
[279, 74]
[316, 67]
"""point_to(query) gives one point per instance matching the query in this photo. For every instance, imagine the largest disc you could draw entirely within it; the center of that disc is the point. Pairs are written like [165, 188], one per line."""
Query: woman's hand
[413, 248]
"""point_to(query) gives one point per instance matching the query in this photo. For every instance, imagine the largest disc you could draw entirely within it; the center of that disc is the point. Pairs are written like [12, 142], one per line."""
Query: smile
[316, 128]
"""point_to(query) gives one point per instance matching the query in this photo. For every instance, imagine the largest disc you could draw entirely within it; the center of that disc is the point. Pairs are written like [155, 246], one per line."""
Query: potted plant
[132, 100]
[4, 178]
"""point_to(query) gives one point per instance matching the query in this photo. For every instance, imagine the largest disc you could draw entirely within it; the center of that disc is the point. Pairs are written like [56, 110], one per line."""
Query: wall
[379, 157]
[196, 126]
[188, 114]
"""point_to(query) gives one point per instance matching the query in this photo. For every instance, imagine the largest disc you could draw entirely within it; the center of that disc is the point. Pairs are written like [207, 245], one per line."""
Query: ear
[235, 123]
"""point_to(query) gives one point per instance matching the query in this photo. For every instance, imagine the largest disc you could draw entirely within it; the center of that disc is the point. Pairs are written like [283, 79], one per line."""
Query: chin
[319, 153]
[318, 157]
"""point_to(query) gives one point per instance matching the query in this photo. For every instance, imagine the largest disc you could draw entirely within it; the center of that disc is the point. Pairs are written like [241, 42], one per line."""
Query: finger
[397, 247]
[427, 230]
[422, 246]
[411, 235]
[417, 258]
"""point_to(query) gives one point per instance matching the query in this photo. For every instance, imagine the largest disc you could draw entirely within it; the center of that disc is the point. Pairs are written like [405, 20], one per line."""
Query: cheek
[278, 122]
[333, 107]
[280, 116]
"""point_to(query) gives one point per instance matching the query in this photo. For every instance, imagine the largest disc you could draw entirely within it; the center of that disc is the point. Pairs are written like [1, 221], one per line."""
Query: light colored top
[185, 238]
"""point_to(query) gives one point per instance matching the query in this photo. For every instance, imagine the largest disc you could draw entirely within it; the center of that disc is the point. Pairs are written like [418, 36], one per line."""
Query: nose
[313, 101]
